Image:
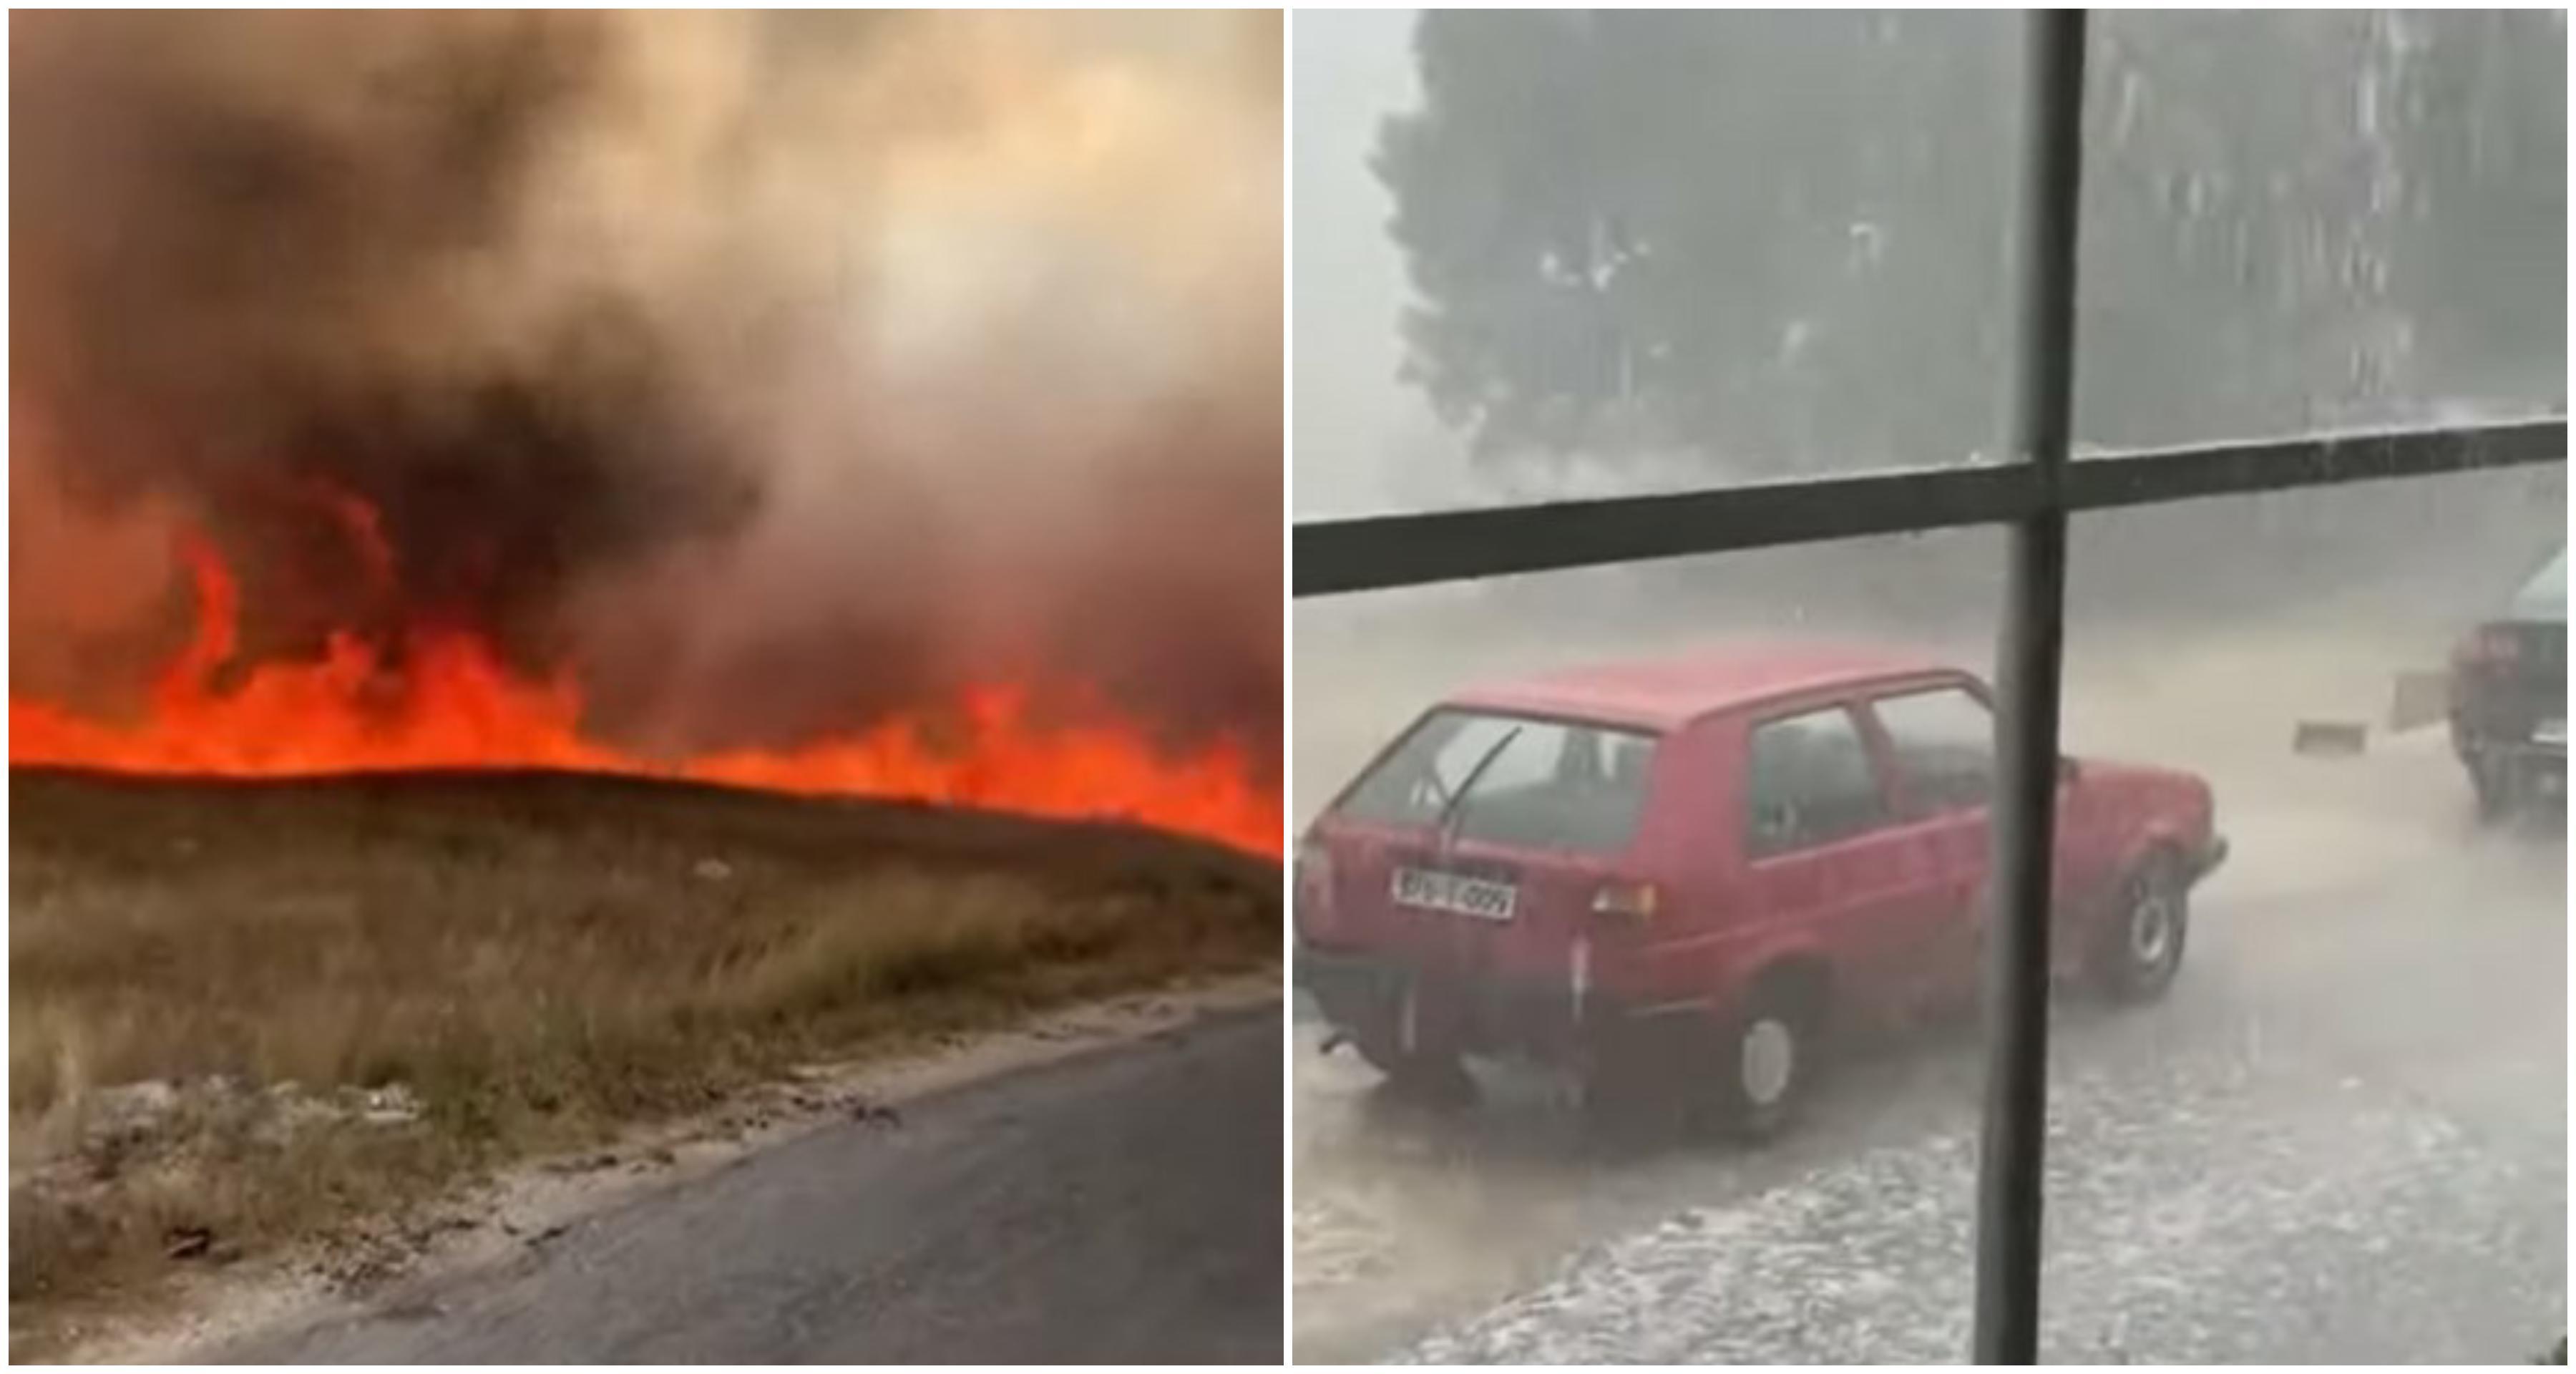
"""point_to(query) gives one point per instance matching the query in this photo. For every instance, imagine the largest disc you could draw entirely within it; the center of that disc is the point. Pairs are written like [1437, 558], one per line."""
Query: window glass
[2356, 1082]
[1529, 271]
[1528, 265]
[1507, 1234]
[1809, 781]
[2299, 220]
[1945, 747]
[1512, 780]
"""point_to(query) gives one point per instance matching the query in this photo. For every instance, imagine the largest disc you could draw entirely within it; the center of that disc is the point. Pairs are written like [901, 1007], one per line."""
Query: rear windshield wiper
[1454, 810]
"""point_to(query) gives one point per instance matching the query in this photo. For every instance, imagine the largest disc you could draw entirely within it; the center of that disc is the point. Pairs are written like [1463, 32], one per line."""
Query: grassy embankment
[528, 961]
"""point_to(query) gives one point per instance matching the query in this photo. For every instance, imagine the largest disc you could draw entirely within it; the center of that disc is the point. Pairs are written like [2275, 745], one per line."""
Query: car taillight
[1314, 869]
[1312, 895]
[1625, 899]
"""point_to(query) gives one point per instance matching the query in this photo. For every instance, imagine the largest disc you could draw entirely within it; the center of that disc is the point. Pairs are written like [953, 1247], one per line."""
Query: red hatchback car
[1685, 873]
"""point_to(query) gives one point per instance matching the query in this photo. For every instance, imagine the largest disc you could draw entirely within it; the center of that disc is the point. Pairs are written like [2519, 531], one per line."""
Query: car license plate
[2551, 731]
[1481, 898]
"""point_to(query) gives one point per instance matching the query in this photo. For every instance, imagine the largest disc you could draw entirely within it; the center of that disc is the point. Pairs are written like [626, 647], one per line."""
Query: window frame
[1421, 548]
[2031, 495]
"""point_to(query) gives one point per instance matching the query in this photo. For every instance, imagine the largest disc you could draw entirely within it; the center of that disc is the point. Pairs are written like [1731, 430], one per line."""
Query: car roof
[1666, 692]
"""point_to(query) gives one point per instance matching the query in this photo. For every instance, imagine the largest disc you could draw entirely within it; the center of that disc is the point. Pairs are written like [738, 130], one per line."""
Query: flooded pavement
[2341, 1137]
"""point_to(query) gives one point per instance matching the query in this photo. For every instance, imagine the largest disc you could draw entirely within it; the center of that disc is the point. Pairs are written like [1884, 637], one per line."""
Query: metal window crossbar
[1373, 553]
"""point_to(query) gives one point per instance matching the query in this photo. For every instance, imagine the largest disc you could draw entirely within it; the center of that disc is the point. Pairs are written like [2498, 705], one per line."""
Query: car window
[1540, 784]
[1515, 754]
[1809, 781]
[1944, 743]
[2544, 597]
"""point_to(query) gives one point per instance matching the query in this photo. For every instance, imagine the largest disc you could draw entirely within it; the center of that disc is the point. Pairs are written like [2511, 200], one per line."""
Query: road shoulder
[383, 1265]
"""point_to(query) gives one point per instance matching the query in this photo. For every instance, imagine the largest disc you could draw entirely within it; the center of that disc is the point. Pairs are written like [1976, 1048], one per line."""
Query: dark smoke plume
[776, 373]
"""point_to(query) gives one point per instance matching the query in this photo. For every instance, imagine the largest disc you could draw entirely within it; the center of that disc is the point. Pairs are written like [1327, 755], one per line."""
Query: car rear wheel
[1424, 1077]
[2502, 788]
[2142, 944]
[1768, 1057]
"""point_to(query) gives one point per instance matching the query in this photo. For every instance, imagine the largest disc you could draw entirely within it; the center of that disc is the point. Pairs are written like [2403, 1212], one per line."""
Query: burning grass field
[516, 963]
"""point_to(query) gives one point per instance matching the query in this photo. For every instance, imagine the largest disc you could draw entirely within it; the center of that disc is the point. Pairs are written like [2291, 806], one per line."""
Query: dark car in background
[2508, 694]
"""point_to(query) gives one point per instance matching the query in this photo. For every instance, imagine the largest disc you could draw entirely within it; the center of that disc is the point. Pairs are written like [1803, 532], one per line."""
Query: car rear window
[1528, 782]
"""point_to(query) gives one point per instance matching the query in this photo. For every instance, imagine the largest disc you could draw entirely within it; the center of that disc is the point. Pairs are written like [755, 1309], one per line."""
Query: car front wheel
[2142, 944]
[2498, 789]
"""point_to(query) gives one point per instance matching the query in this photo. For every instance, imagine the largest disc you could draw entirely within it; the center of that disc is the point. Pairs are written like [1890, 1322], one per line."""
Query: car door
[1827, 867]
[1940, 743]
[1939, 738]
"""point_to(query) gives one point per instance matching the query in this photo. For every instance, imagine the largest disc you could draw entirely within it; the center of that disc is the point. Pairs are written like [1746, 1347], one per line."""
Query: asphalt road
[1121, 1207]
[2341, 1138]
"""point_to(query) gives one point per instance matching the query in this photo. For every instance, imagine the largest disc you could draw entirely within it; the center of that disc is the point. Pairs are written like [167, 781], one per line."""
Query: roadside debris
[2332, 738]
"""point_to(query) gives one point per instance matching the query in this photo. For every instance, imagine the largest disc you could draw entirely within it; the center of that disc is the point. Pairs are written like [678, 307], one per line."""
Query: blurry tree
[2489, 134]
[1782, 240]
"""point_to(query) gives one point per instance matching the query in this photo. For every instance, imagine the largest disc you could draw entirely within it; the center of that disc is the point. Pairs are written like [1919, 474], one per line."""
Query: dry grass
[538, 958]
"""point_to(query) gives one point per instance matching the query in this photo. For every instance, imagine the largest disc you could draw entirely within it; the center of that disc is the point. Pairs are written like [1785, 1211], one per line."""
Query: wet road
[1119, 1207]
[2341, 1138]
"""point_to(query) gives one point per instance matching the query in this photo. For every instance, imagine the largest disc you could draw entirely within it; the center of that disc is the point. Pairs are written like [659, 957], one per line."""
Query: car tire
[1769, 1055]
[1425, 1079]
[2142, 943]
[2496, 789]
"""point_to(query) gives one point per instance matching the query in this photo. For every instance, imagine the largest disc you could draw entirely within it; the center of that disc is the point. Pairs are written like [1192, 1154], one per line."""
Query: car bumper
[2534, 734]
[2536, 766]
[2529, 750]
[1395, 1008]
[2541, 766]
[2211, 856]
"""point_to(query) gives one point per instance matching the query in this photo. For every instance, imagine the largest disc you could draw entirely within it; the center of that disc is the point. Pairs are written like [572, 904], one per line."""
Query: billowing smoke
[774, 373]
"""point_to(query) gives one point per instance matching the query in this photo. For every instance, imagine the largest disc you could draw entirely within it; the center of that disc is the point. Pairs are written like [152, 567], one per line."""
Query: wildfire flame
[453, 703]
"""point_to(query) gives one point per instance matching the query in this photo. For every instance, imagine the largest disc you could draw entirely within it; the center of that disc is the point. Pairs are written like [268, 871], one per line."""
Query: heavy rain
[1540, 256]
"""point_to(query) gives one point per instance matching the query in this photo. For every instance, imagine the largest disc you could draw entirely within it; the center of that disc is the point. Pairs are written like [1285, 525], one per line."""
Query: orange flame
[461, 707]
